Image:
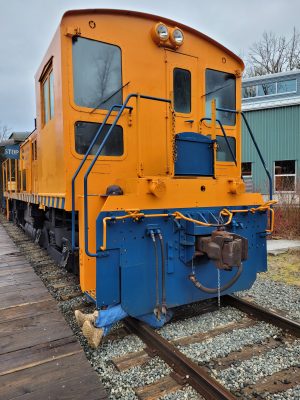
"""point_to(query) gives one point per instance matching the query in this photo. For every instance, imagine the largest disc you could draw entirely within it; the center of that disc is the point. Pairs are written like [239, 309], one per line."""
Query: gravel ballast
[250, 371]
[276, 295]
[122, 384]
[291, 394]
[187, 393]
[201, 323]
[222, 345]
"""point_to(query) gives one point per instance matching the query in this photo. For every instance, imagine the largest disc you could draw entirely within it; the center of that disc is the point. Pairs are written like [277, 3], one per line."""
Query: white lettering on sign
[11, 151]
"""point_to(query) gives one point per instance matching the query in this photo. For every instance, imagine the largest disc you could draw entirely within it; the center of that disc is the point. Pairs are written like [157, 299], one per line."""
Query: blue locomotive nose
[153, 264]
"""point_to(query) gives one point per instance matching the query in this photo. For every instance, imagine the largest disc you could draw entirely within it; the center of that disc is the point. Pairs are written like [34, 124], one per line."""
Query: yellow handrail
[137, 214]
[179, 215]
[263, 207]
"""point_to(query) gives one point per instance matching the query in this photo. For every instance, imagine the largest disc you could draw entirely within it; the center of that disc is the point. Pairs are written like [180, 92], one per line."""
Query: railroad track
[180, 372]
[187, 371]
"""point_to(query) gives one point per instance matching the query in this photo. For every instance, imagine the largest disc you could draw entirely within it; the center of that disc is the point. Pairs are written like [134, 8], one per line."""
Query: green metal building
[272, 106]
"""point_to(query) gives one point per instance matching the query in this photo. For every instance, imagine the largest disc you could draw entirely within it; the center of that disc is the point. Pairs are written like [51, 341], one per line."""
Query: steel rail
[191, 373]
[263, 314]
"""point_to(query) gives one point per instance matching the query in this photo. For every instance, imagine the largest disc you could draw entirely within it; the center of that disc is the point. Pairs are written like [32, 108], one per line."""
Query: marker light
[177, 37]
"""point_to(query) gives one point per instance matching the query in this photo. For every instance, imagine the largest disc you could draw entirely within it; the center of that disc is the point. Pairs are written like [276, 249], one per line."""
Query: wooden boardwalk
[40, 357]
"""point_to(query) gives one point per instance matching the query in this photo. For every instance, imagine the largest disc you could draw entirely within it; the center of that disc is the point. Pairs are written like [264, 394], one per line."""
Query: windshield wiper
[217, 89]
[109, 97]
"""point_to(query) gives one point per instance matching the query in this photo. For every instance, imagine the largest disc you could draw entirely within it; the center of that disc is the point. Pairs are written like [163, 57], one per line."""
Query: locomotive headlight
[177, 37]
[162, 32]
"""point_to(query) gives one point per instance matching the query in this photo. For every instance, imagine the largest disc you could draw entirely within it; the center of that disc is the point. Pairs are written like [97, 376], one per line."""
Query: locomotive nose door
[183, 88]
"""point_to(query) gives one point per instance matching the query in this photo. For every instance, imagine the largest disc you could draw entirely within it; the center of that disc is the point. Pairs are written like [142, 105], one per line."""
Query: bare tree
[273, 54]
[105, 72]
[104, 68]
[4, 132]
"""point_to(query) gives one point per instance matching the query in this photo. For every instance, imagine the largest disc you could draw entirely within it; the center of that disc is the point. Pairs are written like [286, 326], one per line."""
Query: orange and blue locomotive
[133, 173]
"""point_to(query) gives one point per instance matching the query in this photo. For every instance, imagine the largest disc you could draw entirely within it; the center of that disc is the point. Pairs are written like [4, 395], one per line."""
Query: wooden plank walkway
[40, 357]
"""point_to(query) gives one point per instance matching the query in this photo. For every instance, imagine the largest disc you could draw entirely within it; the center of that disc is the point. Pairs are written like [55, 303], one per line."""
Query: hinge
[73, 31]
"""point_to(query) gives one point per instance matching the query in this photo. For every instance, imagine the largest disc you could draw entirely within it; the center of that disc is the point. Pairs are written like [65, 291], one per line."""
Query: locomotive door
[183, 89]
[153, 125]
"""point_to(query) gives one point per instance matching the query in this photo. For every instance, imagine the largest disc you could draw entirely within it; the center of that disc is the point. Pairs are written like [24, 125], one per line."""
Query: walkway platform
[275, 247]
[40, 357]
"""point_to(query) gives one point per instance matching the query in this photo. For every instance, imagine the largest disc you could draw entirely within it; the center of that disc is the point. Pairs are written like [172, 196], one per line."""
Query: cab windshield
[97, 75]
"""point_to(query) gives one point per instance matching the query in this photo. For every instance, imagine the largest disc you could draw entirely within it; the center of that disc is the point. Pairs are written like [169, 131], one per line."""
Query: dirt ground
[284, 268]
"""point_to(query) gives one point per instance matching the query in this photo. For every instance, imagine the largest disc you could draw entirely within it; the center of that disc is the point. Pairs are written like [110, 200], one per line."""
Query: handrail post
[80, 167]
[227, 142]
[21, 174]
[260, 156]
[139, 147]
[16, 175]
[213, 119]
[214, 134]
[10, 179]
[265, 167]
[85, 180]
[256, 147]
[225, 136]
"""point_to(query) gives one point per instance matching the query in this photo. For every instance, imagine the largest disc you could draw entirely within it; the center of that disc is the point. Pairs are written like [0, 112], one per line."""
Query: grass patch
[284, 268]
[287, 221]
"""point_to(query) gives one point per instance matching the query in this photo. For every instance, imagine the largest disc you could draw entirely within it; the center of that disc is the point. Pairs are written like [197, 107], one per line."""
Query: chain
[219, 289]
[173, 128]
[193, 267]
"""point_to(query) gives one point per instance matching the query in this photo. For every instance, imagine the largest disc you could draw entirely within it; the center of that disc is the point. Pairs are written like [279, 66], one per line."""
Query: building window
[97, 74]
[249, 91]
[285, 176]
[287, 86]
[86, 131]
[247, 176]
[221, 87]
[270, 88]
[246, 169]
[182, 90]
[48, 97]
[265, 89]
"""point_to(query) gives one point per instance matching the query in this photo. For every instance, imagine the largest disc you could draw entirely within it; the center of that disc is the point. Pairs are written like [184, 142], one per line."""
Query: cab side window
[182, 90]
[48, 97]
[85, 133]
[221, 86]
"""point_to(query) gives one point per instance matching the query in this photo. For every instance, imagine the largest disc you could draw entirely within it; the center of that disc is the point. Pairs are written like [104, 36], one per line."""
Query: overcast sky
[27, 26]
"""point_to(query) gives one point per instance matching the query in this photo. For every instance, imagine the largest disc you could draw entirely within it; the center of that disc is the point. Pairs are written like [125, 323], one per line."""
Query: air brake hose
[163, 278]
[156, 271]
[199, 285]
